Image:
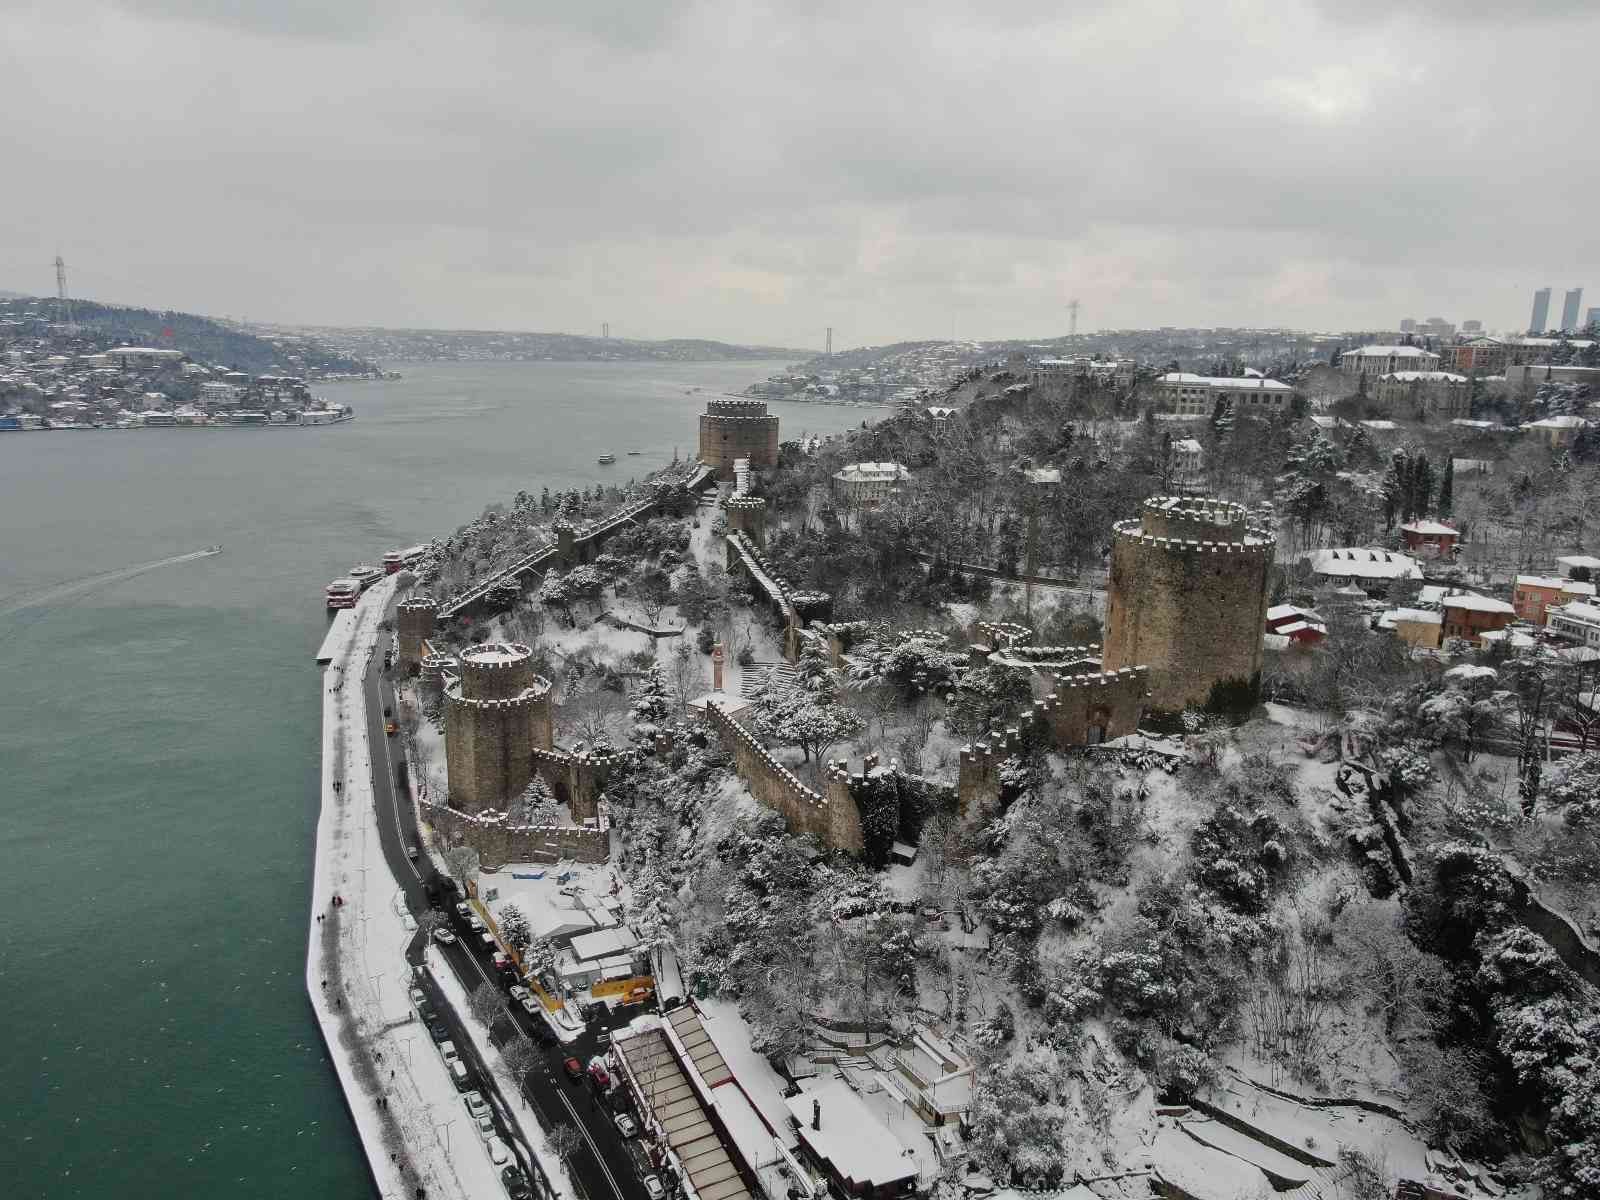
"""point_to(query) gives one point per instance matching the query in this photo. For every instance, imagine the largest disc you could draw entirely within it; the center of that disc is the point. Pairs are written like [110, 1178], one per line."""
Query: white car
[530, 1006]
[476, 1104]
[498, 1154]
[447, 1051]
[626, 1126]
[486, 1127]
[444, 937]
[654, 1188]
[518, 992]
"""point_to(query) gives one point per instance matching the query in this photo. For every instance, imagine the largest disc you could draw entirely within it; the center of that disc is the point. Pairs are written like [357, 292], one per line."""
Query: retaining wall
[498, 843]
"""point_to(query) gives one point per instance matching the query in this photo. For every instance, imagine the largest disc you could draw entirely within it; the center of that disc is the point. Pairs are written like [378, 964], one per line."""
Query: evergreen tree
[1447, 488]
[651, 704]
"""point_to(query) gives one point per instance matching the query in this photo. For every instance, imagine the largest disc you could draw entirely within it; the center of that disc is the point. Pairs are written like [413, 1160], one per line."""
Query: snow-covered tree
[652, 704]
[798, 719]
[537, 805]
[514, 928]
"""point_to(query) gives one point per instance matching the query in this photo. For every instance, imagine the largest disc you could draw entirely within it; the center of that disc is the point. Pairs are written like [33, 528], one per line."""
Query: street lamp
[445, 1125]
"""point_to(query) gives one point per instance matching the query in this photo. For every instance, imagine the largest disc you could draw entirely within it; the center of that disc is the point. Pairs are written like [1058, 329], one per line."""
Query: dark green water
[159, 736]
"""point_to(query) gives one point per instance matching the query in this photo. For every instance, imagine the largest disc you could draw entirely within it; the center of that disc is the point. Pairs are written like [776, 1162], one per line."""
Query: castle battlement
[744, 503]
[495, 656]
[737, 429]
[526, 699]
[1258, 542]
[747, 743]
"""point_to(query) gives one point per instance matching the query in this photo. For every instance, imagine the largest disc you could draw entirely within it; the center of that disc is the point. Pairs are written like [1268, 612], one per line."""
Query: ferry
[607, 459]
[365, 574]
[343, 593]
[395, 561]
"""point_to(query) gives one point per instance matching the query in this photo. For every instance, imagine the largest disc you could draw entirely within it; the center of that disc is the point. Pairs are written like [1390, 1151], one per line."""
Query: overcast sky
[756, 172]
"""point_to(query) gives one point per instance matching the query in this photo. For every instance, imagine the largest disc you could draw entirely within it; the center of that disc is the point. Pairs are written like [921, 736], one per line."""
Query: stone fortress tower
[748, 515]
[731, 429]
[1188, 598]
[415, 621]
[497, 712]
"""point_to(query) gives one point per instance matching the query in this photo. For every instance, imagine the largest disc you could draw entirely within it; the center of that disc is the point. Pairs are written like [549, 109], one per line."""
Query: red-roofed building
[1430, 539]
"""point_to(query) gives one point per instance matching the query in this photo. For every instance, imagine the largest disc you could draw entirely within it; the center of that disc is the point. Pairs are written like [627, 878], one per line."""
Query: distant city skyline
[758, 173]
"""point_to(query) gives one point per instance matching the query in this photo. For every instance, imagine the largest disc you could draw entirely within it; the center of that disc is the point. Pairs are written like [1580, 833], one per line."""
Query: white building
[1568, 563]
[869, 484]
[1188, 463]
[1414, 393]
[1359, 565]
[1197, 395]
[1580, 622]
[939, 1076]
[1386, 360]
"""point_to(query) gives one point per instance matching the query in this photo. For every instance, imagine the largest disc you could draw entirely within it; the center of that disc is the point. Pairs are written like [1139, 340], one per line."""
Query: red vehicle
[574, 1068]
[598, 1074]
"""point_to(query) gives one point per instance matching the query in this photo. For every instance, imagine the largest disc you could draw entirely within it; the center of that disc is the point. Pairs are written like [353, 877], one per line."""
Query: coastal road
[602, 1166]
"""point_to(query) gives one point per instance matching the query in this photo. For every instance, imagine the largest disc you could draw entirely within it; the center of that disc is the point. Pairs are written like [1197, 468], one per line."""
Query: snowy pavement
[356, 973]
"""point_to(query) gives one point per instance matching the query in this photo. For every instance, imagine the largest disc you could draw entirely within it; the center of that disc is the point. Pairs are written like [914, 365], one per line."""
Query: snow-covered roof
[1390, 352]
[1380, 424]
[1579, 560]
[1468, 423]
[1359, 563]
[1187, 446]
[1427, 528]
[1554, 582]
[1562, 422]
[603, 943]
[1182, 378]
[873, 471]
[1425, 377]
[853, 1138]
[1415, 616]
[1475, 603]
[1576, 610]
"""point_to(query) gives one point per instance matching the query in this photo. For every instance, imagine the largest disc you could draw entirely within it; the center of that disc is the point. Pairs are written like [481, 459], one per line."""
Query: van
[458, 1072]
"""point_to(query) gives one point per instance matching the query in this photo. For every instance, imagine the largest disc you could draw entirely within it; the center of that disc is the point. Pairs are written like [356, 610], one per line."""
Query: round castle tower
[495, 713]
[1188, 598]
[731, 429]
[414, 621]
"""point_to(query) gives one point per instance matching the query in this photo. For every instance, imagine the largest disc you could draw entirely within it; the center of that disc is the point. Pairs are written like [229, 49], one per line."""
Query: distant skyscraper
[1594, 317]
[1472, 327]
[1569, 310]
[1541, 311]
[1409, 325]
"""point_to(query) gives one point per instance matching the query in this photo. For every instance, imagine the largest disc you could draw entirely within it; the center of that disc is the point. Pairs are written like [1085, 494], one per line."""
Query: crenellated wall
[748, 515]
[831, 816]
[745, 555]
[577, 778]
[499, 843]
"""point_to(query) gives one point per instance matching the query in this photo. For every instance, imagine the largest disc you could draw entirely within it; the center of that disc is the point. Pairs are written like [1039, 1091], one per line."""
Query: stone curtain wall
[731, 429]
[498, 843]
[1188, 598]
[576, 779]
[742, 553]
[832, 817]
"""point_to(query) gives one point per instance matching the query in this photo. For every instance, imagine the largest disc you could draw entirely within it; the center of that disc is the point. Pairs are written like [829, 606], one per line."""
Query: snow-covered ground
[356, 973]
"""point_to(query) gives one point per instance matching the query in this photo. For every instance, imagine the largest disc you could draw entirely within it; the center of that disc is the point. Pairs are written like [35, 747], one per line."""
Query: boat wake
[89, 583]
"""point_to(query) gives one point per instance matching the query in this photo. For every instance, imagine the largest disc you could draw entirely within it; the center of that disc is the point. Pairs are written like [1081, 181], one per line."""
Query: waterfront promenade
[413, 1125]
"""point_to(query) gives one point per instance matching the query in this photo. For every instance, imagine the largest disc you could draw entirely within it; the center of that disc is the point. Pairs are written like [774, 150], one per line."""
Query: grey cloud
[748, 170]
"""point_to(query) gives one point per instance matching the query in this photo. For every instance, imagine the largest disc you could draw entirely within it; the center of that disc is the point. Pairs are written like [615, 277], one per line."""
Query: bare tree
[565, 1140]
[462, 863]
[486, 1004]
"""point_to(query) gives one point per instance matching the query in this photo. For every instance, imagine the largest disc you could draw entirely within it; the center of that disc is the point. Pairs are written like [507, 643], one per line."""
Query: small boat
[607, 459]
[634, 453]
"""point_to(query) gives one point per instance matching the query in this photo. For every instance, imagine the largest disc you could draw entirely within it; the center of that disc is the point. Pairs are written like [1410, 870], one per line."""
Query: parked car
[515, 1184]
[475, 1103]
[574, 1069]
[412, 852]
[485, 1126]
[518, 992]
[390, 728]
[626, 1125]
[438, 1032]
[444, 937]
[597, 1072]
[447, 1051]
[459, 1072]
[530, 1006]
[654, 1188]
[501, 962]
[498, 1154]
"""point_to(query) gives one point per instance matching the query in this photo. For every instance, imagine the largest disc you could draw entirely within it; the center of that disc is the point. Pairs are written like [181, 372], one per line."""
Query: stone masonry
[415, 621]
[831, 816]
[733, 429]
[497, 712]
[1188, 598]
[748, 515]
